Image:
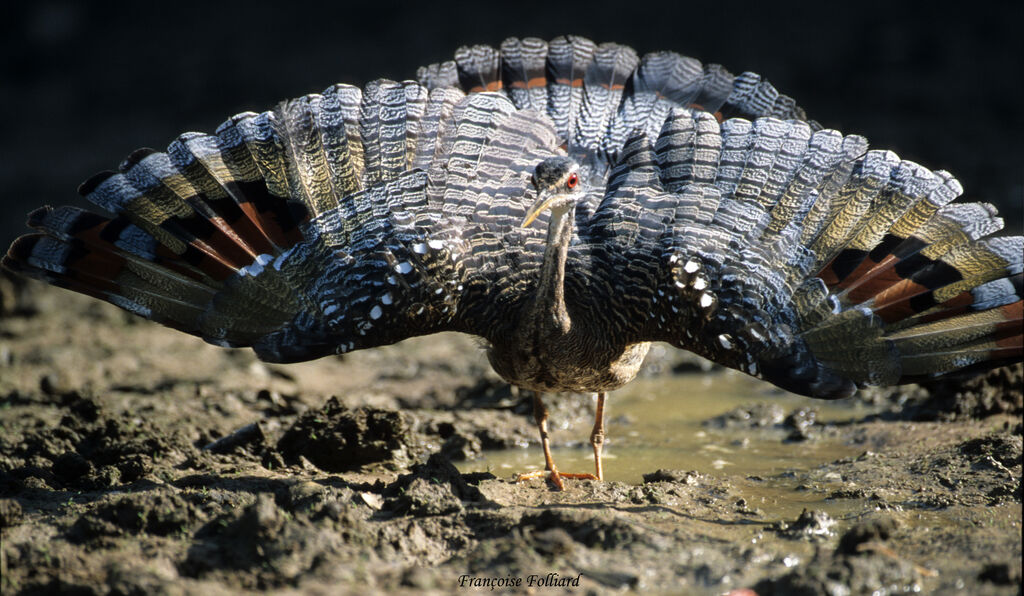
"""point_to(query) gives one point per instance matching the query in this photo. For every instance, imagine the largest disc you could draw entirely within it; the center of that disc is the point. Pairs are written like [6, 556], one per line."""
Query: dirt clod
[682, 476]
[811, 525]
[433, 488]
[10, 513]
[339, 439]
[877, 529]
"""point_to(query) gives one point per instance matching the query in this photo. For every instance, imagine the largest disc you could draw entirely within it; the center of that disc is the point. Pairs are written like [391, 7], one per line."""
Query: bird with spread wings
[567, 202]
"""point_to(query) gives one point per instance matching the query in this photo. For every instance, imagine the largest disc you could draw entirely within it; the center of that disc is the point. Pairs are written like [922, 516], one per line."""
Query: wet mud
[137, 460]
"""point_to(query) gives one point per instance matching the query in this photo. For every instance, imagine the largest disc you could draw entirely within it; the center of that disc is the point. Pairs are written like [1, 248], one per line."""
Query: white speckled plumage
[710, 214]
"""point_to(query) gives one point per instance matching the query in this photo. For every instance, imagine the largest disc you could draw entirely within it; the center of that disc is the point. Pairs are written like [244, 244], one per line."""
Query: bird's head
[559, 186]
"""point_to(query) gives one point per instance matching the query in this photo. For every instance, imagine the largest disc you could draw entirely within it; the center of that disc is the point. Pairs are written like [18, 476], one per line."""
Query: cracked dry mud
[137, 460]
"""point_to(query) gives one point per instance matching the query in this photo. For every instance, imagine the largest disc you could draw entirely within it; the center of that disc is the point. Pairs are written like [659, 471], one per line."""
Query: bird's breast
[567, 366]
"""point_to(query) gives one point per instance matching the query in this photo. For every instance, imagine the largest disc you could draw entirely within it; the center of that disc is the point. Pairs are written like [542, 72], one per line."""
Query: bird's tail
[598, 94]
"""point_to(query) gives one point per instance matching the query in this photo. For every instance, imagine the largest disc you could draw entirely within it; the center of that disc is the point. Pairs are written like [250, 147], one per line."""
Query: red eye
[572, 181]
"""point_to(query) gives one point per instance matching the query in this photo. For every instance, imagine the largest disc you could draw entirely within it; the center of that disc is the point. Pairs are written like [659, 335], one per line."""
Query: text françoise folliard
[550, 580]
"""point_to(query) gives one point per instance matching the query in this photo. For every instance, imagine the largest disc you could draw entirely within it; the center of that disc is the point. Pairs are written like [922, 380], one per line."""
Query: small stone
[373, 500]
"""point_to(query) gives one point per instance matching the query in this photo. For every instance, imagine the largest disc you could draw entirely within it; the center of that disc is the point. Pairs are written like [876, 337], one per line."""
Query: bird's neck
[549, 305]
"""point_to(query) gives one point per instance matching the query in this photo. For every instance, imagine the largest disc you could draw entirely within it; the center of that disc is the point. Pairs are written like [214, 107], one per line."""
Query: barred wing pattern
[806, 259]
[306, 230]
[359, 217]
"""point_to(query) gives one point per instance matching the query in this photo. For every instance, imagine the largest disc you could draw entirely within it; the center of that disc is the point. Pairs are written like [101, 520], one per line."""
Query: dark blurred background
[83, 84]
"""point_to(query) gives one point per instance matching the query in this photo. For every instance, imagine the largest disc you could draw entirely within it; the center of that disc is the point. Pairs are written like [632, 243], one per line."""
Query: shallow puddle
[656, 423]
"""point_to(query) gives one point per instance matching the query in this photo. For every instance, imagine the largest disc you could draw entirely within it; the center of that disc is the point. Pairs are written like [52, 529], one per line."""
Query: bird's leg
[597, 436]
[540, 416]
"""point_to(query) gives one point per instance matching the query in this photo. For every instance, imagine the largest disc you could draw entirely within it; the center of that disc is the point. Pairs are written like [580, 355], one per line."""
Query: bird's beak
[542, 204]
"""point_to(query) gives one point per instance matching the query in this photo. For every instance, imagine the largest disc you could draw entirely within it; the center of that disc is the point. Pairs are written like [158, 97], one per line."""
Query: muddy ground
[137, 460]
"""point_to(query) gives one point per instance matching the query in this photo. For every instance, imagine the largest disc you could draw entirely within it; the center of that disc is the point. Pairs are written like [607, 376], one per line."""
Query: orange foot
[555, 477]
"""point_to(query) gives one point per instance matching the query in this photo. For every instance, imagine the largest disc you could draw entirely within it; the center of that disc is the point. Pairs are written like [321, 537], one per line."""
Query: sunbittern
[682, 204]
